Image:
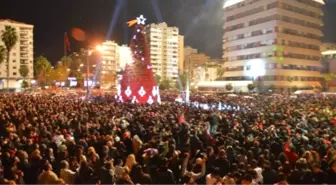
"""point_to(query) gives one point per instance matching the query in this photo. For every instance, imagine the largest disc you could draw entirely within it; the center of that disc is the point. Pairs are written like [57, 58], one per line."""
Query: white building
[273, 42]
[164, 43]
[21, 54]
[203, 73]
[110, 57]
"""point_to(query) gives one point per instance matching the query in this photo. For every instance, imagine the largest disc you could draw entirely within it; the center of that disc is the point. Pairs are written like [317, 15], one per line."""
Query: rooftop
[228, 3]
[14, 22]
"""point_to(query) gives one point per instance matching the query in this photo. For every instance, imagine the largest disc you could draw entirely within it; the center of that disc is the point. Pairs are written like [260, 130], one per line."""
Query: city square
[168, 92]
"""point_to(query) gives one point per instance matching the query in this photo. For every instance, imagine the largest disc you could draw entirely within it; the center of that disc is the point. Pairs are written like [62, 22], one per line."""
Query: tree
[109, 78]
[42, 70]
[157, 79]
[138, 81]
[24, 73]
[220, 72]
[271, 87]
[328, 77]
[24, 84]
[165, 84]
[9, 38]
[250, 87]
[228, 87]
[79, 78]
[67, 61]
[24, 70]
[61, 73]
[2, 54]
[74, 66]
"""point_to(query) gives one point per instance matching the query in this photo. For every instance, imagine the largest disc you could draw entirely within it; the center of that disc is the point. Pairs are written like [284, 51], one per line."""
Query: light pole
[87, 73]
[88, 54]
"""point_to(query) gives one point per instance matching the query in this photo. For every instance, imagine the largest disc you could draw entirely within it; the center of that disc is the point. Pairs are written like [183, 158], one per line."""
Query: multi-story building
[189, 50]
[201, 74]
[196, 64]
[110, 57]
[181, 54]
[195, 60]
[163, 43]
[273, 42]
[21, 54]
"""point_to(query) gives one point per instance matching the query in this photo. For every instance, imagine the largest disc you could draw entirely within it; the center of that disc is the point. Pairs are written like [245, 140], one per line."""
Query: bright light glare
[125, 56]
[100, 48]
[256, 68]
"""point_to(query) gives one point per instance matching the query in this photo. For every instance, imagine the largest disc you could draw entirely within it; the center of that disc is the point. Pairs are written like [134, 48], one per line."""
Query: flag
[66, 41]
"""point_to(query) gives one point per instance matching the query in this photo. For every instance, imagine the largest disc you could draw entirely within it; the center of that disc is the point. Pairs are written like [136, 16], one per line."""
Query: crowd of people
[48, 139]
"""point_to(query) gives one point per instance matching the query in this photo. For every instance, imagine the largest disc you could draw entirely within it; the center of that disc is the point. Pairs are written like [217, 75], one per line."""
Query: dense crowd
[51, 139]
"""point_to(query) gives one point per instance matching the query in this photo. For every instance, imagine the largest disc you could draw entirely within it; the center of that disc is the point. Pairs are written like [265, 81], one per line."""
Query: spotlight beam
[115, 16]
[157, 11]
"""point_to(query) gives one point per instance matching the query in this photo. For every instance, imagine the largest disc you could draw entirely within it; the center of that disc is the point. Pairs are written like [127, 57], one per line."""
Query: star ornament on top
[141, 20]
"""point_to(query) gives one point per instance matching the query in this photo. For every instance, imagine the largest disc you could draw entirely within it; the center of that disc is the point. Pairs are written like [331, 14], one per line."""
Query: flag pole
[65, 45]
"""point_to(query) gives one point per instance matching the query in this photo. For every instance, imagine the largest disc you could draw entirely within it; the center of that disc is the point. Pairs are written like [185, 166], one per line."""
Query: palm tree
[9, 38]
[24, 71]
[2, 54]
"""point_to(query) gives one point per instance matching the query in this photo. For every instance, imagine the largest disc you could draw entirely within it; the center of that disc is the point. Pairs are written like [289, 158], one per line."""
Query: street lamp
[88, 54]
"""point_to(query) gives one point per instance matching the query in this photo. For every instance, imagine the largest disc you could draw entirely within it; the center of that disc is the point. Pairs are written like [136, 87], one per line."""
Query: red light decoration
[138, 84]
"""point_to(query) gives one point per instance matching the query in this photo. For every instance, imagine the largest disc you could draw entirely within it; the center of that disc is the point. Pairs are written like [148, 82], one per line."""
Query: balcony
[23, 61]
[24, 50]
[24, 56]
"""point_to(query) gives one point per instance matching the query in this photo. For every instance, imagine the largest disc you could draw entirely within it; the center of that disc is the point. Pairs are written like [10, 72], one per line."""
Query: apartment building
[21, 54]
[273, 42]
[181, 54]
[109, 57]
[164, 47]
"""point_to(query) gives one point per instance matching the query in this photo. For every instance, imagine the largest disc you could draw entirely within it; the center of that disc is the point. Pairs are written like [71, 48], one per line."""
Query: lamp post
[87, 73]
[88, 54]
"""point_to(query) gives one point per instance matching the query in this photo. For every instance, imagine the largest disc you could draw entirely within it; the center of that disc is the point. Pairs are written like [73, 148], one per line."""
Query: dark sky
[199, 20]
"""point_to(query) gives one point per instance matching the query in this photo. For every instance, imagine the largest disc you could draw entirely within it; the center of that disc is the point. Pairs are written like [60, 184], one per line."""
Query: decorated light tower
[137, 83]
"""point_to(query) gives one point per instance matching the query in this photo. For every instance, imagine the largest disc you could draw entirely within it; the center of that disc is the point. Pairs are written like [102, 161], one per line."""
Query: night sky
[200, 21]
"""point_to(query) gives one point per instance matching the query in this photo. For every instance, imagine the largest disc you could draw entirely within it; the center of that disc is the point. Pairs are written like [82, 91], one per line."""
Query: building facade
[201, 74]
[110, 57]
[189, 50]
[181, 54]
[195, 60]
[163, 43]
[273, 42]
[21, 54]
